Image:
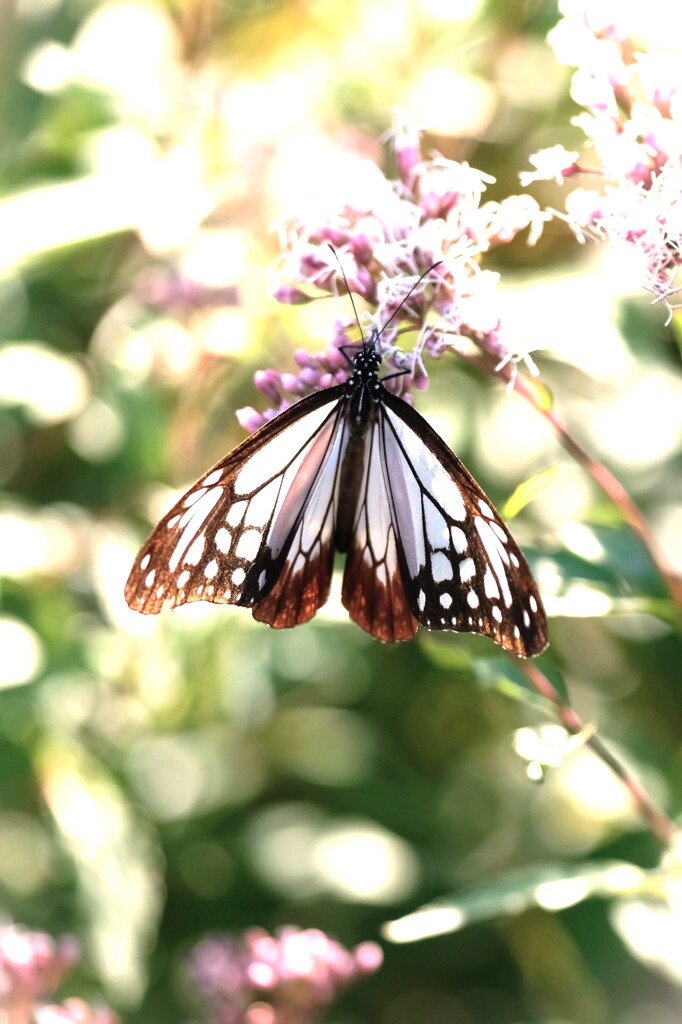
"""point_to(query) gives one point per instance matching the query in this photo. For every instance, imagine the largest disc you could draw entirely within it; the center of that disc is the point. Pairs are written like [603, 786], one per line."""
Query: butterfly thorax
[363, 388]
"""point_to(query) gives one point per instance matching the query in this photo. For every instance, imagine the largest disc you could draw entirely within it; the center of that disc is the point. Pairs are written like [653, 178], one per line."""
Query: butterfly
[354, 469]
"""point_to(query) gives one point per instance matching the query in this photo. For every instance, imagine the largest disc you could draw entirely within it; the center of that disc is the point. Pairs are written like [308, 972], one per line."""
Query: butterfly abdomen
[350, 481]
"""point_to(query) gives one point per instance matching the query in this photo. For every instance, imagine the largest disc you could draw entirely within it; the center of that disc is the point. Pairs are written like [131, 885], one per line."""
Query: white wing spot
[467, 569]
[445, 600]
[173, 522]
[485, 508]
[210, 590]
[211, 570]
[498, 556]
[499, 532]
[248, 545]
[193, 556]
[490, 585]
[145, 561]
[533, 604]
[192, 498]
[182, 578]
[262, 504]
[223, 540]
[526, 619]
[497, 614]
[236, 513]
[421, 600]
[150, 578]
[459, 540]
[514, 560]
[517, 632]
[472, 599]
[192, 521]
[213, 477]
[238, 576]
[160, 590]
[261, 580]
[441, 567]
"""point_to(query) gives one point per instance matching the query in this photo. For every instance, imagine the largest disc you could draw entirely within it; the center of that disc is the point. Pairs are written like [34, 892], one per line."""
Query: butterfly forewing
[462, 569]
[228, 537]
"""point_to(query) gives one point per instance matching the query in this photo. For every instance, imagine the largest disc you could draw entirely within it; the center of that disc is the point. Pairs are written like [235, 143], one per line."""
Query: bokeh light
[166, 778]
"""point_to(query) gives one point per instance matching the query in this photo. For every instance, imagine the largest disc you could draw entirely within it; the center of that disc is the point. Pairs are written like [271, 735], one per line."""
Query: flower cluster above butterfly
[353, 469]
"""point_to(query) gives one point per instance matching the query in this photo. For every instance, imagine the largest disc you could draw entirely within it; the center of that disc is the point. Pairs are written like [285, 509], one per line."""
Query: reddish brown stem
[656, 819]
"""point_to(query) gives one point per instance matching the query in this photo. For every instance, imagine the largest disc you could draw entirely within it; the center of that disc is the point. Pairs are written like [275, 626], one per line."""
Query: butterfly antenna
[350, 294]
[412, 289]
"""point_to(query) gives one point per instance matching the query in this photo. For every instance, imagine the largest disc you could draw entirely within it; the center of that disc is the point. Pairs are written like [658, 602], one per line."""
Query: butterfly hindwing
[373, 590]
[462, 570]
[227, 539]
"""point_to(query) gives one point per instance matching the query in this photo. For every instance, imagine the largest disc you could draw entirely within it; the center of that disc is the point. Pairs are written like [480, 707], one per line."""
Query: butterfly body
[351, 469]
[361, 398]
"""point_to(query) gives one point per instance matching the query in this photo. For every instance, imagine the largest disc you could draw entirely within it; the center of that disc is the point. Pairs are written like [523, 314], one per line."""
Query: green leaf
[495, 672]
[552, 887]
[528, 491]
[115, 860]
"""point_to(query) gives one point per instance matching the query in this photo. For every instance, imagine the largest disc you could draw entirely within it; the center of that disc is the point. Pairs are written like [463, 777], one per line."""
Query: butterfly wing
[428, 546]
[257, 529]
[373, 591]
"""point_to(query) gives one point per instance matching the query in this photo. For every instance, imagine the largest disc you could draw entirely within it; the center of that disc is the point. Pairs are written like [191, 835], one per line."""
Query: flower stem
[603, 476]
[656, 819]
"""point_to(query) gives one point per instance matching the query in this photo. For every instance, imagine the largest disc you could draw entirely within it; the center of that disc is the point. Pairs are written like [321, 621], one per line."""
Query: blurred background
[163, 779]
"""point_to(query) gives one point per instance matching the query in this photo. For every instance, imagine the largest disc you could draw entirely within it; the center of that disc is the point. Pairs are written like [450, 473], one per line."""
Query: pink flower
[32, 965]
[553, 164]
[411, 251]
[631, 93]
[285, 978]
[75, 1011]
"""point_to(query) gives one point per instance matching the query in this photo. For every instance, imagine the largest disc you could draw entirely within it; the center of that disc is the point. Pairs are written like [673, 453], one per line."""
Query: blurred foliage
[163, 779]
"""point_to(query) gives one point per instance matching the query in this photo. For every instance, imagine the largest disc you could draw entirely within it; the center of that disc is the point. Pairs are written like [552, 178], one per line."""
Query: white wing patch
[274, 458]
[442, 487]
